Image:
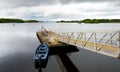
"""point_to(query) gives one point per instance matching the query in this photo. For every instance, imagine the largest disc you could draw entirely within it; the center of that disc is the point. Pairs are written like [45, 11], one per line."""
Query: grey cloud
[93, 1]
[16, 3]
[10, 14]
[116, 3]
[20, 3]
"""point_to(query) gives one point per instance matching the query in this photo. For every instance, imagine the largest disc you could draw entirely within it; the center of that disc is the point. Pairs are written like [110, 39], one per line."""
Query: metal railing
[101, 42]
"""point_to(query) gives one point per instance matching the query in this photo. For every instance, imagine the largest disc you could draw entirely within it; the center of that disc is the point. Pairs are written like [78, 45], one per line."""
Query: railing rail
[102, 42]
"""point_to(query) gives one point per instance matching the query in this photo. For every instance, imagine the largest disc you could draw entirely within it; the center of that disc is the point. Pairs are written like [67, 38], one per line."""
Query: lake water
[18, 43]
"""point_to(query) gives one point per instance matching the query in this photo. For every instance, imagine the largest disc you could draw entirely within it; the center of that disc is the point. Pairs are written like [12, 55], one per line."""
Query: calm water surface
[18, 43]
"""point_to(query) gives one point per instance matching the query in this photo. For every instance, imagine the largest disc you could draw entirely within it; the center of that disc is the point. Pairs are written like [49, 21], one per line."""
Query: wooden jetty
[103, 45]
[51, 39]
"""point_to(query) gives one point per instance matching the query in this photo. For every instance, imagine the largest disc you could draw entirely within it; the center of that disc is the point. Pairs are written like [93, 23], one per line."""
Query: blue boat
[41, 55]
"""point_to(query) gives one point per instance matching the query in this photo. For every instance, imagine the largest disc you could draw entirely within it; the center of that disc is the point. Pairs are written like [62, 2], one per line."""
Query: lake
[18, 44]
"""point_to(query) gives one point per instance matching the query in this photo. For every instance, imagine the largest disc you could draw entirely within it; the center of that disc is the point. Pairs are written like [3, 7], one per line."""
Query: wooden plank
[46, 39]
[91, 44]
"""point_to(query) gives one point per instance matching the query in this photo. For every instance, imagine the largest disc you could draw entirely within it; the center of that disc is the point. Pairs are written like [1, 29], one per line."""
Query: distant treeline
[8, 20]
[92, 21]
[29, 21]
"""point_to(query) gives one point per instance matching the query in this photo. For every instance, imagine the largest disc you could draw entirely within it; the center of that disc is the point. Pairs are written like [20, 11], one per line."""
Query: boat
[41, 55]
[13, 24]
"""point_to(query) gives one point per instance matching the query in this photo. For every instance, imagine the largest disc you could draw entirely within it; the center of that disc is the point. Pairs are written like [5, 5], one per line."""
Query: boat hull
[41, 56]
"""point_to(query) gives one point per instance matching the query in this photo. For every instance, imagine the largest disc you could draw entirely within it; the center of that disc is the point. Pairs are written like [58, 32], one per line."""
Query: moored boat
[41, 55]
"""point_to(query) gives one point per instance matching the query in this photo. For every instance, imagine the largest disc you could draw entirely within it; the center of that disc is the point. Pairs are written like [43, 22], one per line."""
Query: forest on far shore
[92, 21]
[9, 20]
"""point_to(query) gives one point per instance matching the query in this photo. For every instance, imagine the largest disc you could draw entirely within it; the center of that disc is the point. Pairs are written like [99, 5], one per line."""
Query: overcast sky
[59, 9]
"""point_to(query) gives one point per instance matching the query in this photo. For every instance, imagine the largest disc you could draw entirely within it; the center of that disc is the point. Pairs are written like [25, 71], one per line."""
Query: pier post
[119, 44]
[95, 41]
[111, 39]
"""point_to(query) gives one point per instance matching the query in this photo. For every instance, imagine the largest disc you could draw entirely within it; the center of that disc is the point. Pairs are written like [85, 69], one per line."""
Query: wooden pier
[51, 39]
[103, 45]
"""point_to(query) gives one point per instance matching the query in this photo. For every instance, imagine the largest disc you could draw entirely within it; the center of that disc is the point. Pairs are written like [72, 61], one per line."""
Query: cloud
[59, 9]
[27, 3]
[78, 1]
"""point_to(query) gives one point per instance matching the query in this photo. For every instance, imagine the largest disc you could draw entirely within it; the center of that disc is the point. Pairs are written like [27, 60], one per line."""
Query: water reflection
[42, 65]
[62, 52]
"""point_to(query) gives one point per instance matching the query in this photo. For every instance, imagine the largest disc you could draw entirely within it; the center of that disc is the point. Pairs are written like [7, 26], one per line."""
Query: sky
[54, 10]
